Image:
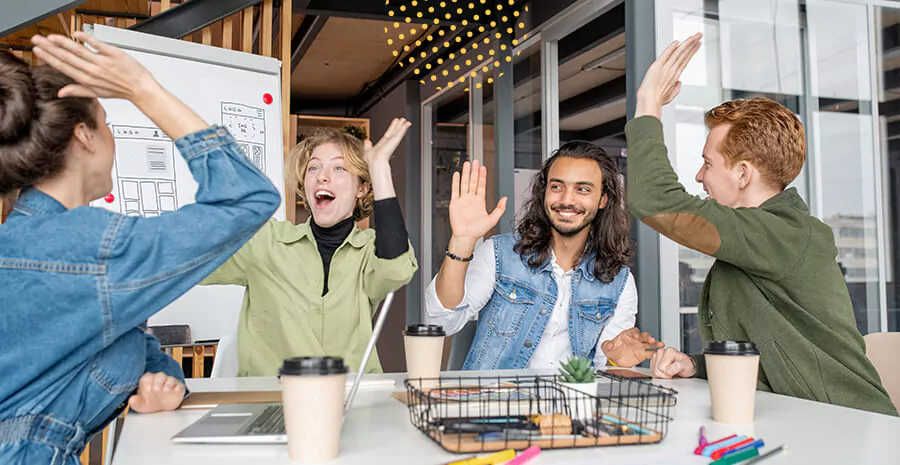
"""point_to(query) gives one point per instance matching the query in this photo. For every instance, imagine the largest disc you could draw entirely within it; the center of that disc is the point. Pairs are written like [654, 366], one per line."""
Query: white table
[378, 431]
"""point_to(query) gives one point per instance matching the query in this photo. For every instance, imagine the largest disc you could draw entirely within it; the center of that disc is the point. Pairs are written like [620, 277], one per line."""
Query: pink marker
[525, 456]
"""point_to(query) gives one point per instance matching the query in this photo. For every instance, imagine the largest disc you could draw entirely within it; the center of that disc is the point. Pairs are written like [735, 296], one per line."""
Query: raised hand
[469, 218]
[378, 157]
[662, 83]
[629, 348]
[384, 149]
[157, 392]
[111, 73]
[107, 73]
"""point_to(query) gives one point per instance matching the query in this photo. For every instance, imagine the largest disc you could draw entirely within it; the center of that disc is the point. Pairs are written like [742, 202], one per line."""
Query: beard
[568, 230]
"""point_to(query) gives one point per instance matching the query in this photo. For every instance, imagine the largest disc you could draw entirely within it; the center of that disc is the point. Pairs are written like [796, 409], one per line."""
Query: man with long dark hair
[560, 286]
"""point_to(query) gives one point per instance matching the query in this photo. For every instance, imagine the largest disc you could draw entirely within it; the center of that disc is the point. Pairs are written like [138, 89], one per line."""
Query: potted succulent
[580, 384]
[577, 373]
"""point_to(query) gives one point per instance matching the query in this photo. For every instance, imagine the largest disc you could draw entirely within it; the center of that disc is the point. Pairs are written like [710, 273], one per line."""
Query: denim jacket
[78, 283]
[512, 323]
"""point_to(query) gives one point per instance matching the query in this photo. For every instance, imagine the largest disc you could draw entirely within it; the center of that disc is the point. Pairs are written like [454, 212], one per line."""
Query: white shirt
[554, 345]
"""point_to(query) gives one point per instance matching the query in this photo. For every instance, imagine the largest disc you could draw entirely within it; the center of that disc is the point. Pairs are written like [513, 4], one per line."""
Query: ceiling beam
[111, 14]
[598, 96]
[612, 128]
[19, 15]
[374, 9]
[305, 36]
[191, 16]
[593, 98]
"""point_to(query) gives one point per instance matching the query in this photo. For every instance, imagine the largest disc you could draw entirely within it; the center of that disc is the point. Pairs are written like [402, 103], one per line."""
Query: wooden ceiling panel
[58, 24]
[346, 55]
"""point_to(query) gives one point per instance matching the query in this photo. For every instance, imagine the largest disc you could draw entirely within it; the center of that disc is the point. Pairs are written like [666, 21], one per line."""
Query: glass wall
[813, 57]
[886, 23]
[449, 150]
[836, 64]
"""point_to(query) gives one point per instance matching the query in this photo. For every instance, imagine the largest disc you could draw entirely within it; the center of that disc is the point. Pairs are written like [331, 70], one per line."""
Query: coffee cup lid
[425, 330]
[731, 348]
[303, 366]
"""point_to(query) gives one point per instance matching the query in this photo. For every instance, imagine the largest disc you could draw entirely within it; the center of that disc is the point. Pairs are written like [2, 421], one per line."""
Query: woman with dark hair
[560, 286]
[79, 281]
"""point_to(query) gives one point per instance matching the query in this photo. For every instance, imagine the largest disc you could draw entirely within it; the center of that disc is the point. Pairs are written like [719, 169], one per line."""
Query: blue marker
[630, 425]
[708, 450]
[755, 444]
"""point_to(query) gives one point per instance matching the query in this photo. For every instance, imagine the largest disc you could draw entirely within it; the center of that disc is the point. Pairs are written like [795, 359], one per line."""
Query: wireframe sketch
[145, 170]
[248, 126]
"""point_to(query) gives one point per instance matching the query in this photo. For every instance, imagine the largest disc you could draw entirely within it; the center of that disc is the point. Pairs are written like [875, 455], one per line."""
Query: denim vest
[513, 321]
[78, 283]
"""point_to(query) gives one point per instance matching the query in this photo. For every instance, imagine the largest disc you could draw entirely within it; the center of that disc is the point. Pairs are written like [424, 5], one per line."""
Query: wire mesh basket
[483, 414]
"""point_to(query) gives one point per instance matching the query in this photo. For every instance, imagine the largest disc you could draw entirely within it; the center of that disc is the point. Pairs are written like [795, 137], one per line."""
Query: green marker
[735, 458]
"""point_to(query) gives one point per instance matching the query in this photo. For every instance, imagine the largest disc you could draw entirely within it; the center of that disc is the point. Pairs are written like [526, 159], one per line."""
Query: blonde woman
[311, 289]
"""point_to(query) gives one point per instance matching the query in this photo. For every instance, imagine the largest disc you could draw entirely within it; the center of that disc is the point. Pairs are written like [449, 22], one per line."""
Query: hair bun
[17, 96]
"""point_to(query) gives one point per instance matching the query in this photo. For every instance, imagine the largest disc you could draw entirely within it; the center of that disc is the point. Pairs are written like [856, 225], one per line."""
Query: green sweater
[775, 281]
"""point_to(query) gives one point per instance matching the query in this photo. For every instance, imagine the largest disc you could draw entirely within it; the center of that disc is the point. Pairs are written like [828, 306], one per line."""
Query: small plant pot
[580, 399]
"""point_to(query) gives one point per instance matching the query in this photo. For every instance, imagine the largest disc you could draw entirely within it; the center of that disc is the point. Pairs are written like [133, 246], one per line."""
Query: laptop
[263, 423]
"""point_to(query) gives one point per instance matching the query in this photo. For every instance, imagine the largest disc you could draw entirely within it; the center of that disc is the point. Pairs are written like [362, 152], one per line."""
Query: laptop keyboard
[269, 422]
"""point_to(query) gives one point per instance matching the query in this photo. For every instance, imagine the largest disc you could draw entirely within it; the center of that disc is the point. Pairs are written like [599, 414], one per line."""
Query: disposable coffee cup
[732, 368]
[313, 396]
[424, 346]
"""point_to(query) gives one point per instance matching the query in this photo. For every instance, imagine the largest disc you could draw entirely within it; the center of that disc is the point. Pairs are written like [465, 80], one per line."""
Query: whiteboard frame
[131, 40]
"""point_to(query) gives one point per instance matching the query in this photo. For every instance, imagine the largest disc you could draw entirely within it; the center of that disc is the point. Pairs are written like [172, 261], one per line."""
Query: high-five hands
[107, 73]
[384, 149]
[469, 218]
[662, 82]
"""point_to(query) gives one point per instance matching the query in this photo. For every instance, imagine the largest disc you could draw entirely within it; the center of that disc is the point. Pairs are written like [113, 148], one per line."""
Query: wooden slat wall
[285, 49]
[247, 35]
[265, 29]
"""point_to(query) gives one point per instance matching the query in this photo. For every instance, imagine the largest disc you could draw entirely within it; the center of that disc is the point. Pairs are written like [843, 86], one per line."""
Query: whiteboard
[150, 178]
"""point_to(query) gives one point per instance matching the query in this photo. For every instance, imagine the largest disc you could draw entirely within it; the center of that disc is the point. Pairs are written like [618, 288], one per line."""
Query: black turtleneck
[391, 238]
[328, 240]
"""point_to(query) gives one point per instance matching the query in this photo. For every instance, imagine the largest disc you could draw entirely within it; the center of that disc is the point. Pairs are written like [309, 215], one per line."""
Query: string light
[501, 27]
